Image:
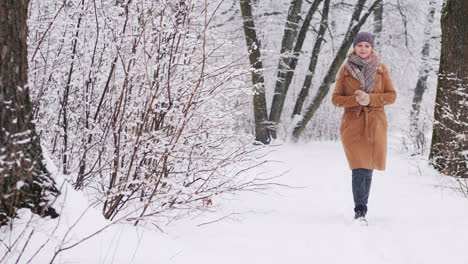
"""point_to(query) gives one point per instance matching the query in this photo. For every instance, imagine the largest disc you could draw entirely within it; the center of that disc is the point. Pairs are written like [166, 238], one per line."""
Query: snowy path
[411, 220]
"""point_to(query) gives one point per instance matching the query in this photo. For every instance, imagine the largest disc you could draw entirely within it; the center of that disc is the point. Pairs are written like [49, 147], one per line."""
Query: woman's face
[363, 49]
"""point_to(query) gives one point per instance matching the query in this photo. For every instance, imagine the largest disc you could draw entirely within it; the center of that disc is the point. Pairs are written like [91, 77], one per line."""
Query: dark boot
[360, 211]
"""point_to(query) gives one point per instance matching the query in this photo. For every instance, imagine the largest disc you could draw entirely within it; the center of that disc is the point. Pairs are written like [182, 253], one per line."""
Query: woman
[363, 87]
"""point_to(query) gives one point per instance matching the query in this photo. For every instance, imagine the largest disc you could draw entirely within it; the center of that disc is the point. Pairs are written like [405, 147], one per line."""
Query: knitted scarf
[363, 70]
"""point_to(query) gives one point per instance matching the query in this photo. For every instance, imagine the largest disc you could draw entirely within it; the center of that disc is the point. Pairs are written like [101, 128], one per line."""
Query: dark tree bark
[262, 132]
[313, 60]
[24, 180]
[286, 54]
[417, 135]
[449, 147]
[354, 27]
[378, 17]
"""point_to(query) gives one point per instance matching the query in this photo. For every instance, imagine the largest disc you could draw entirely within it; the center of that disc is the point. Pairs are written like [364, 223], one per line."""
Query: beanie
[363, 36]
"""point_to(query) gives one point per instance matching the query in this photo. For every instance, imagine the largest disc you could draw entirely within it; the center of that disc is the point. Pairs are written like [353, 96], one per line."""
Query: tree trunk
[354, 28]
[262, 132]
[449, 147]
[378, 17]
[416, 132]
[313, 61]
[24, 180]
[290, 33]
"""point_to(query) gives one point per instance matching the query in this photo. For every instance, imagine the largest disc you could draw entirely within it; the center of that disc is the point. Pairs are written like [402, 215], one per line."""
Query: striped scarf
[363, 70]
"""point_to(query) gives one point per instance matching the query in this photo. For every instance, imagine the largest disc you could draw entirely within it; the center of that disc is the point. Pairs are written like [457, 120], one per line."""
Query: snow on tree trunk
[24, 180]
[449, 150]
[378, 17]
[313, 61]
[262, 132]
[281, 87]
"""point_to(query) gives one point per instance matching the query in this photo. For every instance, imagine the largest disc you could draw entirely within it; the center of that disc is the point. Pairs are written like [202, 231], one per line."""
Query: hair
[352, 50]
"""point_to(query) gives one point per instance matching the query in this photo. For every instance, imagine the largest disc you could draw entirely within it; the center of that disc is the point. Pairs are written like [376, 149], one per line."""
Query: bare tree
[449, 152]
[286, 55]
[378, 17]
[417, 135]
[24, 179]
[313, 60]
[353, 28]
[262, 132]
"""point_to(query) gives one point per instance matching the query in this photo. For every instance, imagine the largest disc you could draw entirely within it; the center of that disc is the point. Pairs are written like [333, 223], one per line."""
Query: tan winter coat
[364, 128]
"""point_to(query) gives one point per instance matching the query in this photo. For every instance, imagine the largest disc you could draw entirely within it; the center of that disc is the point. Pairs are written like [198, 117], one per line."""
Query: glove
[362, 98]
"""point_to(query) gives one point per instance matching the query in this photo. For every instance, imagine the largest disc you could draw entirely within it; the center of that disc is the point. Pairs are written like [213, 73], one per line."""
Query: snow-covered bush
[134, 105]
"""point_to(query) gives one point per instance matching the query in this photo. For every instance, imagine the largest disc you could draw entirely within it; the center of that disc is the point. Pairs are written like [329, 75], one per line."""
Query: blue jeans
[362, 179]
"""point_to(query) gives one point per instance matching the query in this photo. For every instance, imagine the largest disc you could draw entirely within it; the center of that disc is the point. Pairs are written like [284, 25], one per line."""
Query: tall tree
[24, 180]
[378, 17]
[281, 88]
[417, 134]
[262, 132]
[313, 60]
[353, 28]
[449, 139]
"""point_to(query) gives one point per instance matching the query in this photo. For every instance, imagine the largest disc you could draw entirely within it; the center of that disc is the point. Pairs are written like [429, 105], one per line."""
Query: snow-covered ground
[413, 218]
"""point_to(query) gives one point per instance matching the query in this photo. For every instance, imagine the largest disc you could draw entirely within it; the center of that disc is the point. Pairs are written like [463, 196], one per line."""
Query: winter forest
[203, 131]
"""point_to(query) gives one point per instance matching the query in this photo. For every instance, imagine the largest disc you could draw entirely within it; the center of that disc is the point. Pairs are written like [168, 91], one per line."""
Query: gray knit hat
[363, 36]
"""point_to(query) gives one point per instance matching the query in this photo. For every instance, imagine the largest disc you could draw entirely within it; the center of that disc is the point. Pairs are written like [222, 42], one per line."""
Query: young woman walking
[363, 87]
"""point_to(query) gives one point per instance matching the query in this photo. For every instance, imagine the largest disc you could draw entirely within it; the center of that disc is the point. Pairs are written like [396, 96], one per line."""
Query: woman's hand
[362, 97]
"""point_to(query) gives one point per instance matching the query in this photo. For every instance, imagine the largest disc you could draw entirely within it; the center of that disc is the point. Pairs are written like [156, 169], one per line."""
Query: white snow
[414, 217]
[19, 184]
